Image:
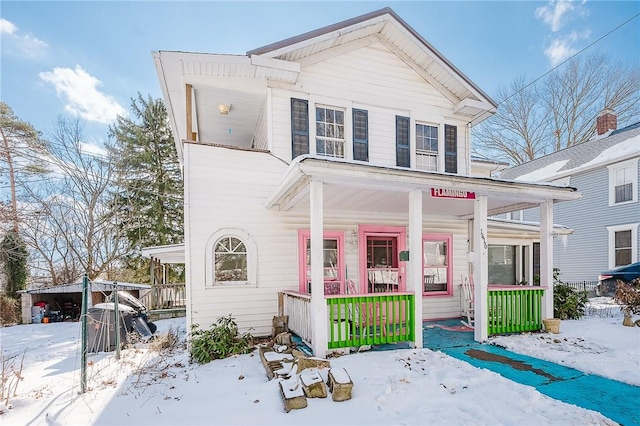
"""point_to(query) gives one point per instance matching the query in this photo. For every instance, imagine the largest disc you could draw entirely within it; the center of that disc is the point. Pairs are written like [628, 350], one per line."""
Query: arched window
[231, 259]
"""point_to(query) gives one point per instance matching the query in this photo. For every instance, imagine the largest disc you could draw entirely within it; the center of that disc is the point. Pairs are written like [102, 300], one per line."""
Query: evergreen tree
[149, 185]
[13, 255]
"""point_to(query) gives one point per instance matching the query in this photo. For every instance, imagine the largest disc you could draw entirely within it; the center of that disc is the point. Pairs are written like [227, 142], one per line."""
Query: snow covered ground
[402, 387]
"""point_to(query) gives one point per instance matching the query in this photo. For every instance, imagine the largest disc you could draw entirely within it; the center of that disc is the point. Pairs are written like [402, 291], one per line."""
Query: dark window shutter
[450, 149]
[360, 135]
[299, 127]
[403, 157]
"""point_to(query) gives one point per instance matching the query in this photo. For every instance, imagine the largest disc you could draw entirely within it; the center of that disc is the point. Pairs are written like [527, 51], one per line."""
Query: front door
[382, 270]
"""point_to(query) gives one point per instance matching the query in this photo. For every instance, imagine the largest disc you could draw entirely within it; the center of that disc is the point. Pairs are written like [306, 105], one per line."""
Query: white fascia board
[162, 79]
[279, 64]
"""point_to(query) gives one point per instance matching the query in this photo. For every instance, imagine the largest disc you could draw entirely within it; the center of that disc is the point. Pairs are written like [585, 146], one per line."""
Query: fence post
[83, 350]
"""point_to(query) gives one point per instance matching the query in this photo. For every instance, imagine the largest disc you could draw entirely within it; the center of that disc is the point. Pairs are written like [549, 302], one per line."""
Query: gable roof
[386, 26]
[597, 153]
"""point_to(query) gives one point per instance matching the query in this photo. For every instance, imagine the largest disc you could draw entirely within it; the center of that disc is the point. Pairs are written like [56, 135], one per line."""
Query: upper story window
[623, 182]
[427, 147]
[623, 243]
[330, 132]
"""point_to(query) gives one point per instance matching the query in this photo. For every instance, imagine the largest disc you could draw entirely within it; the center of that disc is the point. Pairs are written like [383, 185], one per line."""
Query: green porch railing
[514, 311]
[370, 319]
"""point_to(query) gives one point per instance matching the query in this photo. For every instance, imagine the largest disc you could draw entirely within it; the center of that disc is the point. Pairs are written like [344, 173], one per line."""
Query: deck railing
[165, 296]
[369, 319]
[514, 310]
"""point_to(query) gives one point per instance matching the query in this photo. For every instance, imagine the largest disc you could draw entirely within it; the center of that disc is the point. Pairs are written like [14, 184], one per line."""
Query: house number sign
[452, 193]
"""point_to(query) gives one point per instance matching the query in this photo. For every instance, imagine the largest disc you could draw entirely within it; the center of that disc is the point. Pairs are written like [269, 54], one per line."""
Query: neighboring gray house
[605, 220]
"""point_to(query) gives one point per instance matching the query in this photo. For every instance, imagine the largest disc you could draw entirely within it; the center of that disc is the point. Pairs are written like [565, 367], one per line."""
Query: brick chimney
[607, 120]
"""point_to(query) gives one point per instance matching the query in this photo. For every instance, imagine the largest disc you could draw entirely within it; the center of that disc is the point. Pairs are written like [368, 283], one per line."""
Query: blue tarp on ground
[615, 400]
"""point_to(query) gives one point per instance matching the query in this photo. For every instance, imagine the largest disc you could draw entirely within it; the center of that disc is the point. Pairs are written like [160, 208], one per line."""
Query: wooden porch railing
[298, 307]
[369, 319]
[165, 296]
[514, 310]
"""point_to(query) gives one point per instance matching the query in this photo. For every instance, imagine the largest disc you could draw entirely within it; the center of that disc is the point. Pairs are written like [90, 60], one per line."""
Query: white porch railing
[298, 307]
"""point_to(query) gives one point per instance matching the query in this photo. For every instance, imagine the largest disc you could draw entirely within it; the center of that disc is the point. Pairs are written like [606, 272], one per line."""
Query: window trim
[252, 259]
[613, 168]
[424, 152]
[449, 240]
[303, 236]
[633, 227]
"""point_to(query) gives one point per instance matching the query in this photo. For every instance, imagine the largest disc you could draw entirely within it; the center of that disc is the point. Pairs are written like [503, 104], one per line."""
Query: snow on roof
[545, 173]
[621, 150]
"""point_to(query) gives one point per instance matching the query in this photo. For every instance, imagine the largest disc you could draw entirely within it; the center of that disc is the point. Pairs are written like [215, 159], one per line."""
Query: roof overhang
[169, 254]
[96, 285]
[359, 186]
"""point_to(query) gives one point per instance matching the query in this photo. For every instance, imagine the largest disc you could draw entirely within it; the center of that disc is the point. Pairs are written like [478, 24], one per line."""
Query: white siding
[374, 79]
[227, 189]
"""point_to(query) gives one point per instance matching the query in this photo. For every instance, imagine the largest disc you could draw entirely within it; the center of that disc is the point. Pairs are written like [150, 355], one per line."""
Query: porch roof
[360, 186]
[170, 254]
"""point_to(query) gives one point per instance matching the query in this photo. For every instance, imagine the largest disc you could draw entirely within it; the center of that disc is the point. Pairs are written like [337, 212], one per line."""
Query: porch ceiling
[350, 186]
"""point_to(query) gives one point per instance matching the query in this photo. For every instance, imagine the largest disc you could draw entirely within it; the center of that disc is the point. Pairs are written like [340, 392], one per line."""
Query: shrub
[9, 310]
[221, 340]
[628, 296]
[568, 303]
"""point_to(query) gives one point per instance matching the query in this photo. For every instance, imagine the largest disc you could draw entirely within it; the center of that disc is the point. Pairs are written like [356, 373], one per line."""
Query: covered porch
[363, 313]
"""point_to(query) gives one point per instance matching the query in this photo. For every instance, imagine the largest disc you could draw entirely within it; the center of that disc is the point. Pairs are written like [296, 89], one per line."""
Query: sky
[88, 59]
[399, 387]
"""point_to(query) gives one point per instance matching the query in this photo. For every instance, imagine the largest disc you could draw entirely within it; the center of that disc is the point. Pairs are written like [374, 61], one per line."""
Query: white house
[328, 176]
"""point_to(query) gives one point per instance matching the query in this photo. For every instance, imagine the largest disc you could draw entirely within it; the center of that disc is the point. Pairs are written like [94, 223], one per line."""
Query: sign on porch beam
[452, 193]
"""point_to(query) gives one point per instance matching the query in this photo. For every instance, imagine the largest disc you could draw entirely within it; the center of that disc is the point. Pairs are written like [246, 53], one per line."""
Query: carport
[69, 296]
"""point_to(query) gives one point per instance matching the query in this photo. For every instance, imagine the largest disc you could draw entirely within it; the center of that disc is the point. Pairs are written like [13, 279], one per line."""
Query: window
[329, 132]
[623, 243]
[299, 127]
[360, 135]
[333, 261]
[402, 142]
[427, 147]
[231, 259]
[623, 182]
[436, 264]
[502, 264]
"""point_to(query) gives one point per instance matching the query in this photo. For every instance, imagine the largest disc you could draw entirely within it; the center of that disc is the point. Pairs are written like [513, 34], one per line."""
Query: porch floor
[609, 397]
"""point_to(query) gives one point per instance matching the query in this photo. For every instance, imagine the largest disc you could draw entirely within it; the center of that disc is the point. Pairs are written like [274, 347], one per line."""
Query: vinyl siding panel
[585, 253]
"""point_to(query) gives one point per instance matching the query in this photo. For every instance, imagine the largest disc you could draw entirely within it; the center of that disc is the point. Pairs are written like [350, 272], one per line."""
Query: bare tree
[73, 228]
[559, 111]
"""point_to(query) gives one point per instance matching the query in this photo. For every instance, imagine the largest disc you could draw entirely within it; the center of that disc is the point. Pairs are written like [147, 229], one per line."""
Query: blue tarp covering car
[609, 279]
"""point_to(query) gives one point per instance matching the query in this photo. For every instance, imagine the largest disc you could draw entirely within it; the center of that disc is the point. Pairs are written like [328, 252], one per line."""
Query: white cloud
[26, 44]
[81, 91]
[555, 13]
[91, 149]
[7, 27]
[562, 48]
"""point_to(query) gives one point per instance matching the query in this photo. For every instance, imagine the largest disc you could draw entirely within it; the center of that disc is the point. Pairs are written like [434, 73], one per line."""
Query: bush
[9, 310]
[221, 340]
[628, 296]
[568, 303]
